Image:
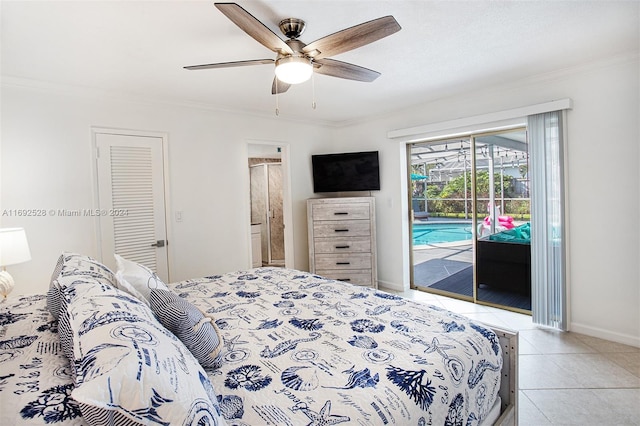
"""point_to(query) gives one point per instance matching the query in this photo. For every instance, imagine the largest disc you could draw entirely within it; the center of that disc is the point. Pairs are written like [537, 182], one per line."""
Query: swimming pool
[433, 233]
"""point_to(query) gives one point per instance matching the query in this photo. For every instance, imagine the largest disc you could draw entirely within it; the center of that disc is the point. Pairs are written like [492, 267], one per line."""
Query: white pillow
[137, 279]
[124, 285]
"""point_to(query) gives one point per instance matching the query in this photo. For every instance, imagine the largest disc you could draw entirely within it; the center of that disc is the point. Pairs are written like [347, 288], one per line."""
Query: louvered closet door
[131, 193]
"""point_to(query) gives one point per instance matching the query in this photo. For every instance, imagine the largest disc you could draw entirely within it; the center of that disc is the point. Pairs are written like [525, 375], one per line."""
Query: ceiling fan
[295, 61]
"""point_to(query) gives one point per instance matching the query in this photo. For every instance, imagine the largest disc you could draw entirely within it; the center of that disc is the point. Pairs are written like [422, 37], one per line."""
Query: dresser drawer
[358, 277]
[342, 245]
[345, 228]
[341, 212]
[343, 261]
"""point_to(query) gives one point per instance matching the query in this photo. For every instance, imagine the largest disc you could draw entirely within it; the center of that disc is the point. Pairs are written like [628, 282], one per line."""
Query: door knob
[159, 243]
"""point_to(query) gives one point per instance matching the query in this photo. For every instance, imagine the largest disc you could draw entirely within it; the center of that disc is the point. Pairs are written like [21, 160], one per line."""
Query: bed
[281, 347]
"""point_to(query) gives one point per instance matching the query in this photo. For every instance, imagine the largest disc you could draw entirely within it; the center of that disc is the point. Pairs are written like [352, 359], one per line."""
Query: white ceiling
[444, 48]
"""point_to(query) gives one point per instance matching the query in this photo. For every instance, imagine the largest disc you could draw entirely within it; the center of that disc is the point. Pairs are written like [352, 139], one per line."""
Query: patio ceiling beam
[503, 142]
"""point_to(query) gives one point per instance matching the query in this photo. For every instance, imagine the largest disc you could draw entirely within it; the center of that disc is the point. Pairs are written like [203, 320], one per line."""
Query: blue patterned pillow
[69, 268]
[198, 332]
[85, 266]
[128, 368]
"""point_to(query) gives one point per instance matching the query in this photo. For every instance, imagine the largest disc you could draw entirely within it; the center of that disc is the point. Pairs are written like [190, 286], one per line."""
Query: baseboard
[382, 285]
[605, 334]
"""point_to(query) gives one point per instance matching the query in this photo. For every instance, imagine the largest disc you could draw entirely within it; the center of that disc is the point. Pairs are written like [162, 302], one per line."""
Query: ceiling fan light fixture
[293, 69]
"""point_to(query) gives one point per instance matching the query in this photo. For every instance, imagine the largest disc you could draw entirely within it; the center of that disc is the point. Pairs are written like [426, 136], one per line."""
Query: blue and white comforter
[298, 350]
[35, 375]
[304, 350]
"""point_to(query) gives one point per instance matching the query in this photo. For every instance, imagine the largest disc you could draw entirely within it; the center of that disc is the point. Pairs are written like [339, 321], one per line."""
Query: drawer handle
[341, 213]
[342, 230]
[343, 263]
[342, 247]
[344, 279]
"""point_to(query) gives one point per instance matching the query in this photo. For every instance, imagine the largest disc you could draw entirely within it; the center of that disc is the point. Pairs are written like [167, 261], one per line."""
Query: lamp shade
[293, 69]
[13, 246]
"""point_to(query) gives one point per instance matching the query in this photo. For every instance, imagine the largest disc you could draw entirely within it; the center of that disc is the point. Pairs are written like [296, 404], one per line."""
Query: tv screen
[351, 171]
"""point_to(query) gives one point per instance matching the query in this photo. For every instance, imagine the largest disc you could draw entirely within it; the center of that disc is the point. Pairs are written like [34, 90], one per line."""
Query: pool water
[433, 233]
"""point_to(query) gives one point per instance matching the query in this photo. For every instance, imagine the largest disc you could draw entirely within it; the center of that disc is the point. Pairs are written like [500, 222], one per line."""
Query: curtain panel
[548, 263]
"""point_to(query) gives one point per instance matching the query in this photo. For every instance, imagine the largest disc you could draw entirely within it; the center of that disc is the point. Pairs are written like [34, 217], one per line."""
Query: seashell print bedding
[299, 349]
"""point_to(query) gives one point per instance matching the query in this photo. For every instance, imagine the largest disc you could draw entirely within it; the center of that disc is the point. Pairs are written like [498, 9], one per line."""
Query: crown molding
[547, 77]
[101, 94]
[115, 96]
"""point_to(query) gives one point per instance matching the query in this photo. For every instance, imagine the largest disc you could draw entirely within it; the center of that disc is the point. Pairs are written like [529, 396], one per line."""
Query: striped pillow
[198, 332]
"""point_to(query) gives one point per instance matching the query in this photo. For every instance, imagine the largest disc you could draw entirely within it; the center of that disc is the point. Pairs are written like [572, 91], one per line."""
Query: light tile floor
[565, 378]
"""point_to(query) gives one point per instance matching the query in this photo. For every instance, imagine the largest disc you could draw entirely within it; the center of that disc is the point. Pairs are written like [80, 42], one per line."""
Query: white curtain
[548, 271]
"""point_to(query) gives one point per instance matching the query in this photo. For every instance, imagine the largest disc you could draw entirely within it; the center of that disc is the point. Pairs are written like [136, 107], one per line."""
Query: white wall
[46, 164]
[604, 185]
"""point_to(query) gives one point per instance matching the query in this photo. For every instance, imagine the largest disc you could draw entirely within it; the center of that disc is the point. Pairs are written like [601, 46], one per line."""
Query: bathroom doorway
[270, 204]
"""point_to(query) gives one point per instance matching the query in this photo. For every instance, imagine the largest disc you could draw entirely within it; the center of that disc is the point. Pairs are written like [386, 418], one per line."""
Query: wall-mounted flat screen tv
[345, 172]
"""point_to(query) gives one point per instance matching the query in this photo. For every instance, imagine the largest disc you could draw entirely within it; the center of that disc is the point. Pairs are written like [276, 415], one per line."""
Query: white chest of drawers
[342, 239]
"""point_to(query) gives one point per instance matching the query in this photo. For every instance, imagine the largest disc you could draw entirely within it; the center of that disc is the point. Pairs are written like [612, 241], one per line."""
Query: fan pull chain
[277, 100]
[313, 91]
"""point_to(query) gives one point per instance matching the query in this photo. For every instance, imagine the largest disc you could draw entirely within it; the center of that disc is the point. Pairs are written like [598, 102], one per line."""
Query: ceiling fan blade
[230, 64]
[252, 26]
[279, 87]
[352, 38]
[345, 70]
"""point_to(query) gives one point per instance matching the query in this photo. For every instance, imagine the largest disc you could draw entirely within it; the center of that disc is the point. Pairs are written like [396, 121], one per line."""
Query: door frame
[287, 203]
[95, 130]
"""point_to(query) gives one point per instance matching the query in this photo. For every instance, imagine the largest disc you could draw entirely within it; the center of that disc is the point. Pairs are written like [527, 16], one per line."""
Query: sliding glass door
[442, 229]
[503, 233]
[470, 195]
